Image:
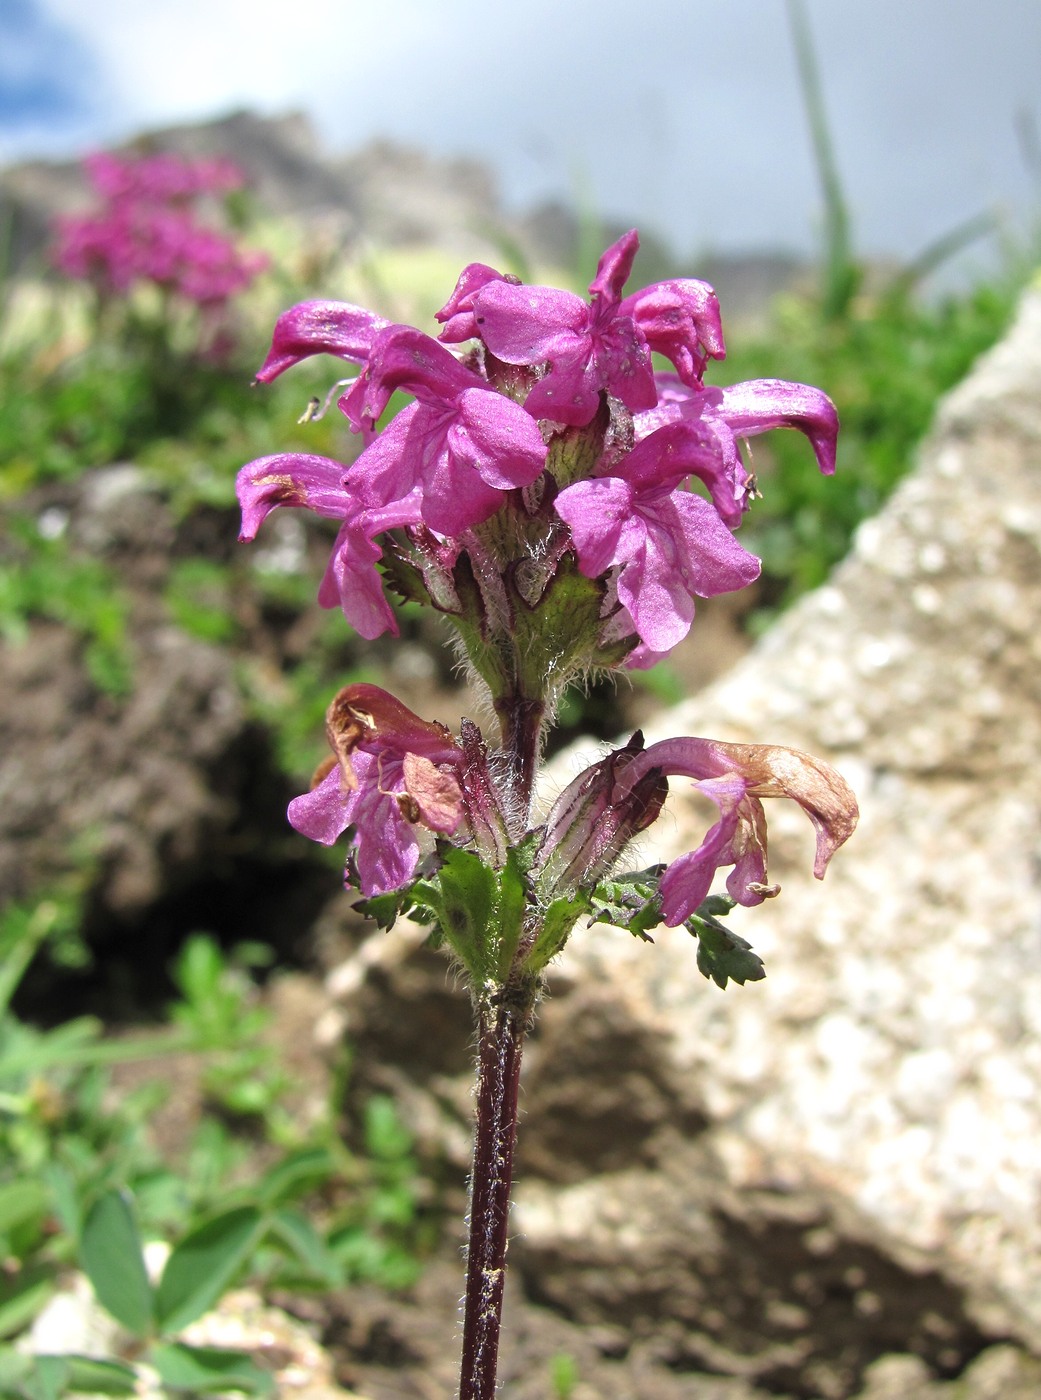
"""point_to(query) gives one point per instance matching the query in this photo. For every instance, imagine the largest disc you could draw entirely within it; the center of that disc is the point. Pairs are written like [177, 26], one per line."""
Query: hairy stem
[501, 1031]
[521, 719]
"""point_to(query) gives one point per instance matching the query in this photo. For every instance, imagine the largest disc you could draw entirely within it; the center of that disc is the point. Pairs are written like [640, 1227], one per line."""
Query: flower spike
[561, 505]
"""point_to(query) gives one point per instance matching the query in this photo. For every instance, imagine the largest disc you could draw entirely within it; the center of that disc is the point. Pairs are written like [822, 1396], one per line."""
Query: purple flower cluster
[149, 231]
[553, 429]
[562, 502]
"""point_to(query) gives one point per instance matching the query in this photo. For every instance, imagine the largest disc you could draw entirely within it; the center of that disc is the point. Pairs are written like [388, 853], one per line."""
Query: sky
[683, 116]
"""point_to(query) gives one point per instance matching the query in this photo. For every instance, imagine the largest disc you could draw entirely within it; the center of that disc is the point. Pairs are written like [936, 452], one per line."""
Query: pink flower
[669, 545]
[588, 346]
[392, 778]
[147, 231]
[680, 320]
[622, 443]
[745, 410]
[735, 777]
[461, 445]
[320, 328]
[458, 311]
[351, 579]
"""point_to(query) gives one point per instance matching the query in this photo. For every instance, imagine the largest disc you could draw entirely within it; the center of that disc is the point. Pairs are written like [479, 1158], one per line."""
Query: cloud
[689, 120]
[45, 77]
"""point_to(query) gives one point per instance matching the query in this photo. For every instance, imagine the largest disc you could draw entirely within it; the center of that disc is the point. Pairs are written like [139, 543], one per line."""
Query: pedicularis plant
[537, 493]
[148, 231]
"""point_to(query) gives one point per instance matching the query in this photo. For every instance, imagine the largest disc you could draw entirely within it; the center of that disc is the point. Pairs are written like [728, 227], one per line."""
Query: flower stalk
[501, 1029]
[561, 503]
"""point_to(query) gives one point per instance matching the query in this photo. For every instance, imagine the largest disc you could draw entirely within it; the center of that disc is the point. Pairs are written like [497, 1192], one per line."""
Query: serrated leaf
[724, 956]
[418, 900]
[209, 1370]
[404, 579]
[630, 901]
[203, 1264]
[716, 906]
[110, 1249]
[383, 909]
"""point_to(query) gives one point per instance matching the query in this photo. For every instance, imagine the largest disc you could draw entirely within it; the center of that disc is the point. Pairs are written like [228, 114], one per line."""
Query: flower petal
[457, 314]
[525, 325]
[323, 814]
[680, 320]
[290, 479]
[614, 267]
[761, 404]
[320, 328]
[736, 777]
[498, 439]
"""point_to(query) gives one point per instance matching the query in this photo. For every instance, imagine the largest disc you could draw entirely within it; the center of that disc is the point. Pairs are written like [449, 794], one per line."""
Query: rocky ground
[867, 1330]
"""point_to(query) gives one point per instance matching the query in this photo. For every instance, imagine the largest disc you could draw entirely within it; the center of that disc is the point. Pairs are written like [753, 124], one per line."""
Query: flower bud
[595, 818]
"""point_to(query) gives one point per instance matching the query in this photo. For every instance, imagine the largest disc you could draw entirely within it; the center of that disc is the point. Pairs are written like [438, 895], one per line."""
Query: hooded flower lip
[392, 774]
[290, 479]
[679, 319]
[320, 328]
[735, 777]
[745, 410]
[457, 314]
[319, 484]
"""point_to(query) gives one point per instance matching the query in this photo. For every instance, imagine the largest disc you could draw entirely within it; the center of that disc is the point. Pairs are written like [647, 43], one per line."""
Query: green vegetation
[82, 1183]
[886, 362]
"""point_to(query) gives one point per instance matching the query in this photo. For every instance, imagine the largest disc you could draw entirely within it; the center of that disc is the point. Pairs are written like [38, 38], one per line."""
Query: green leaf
[297, 1172]
[306, 1244]
[203, 1265]
[92, 1375]
[557, 922]
[509, 915]
[365, 1257]
[14, 1367]
[630, 901]
[110, 1249]
[65, 1198]
[22, 1201]
[385, 909]
[385, 1134]
[23, 1295]
[724, 956]
[47, 1378]
[716, 906]
[468, 889]
[209, 1370]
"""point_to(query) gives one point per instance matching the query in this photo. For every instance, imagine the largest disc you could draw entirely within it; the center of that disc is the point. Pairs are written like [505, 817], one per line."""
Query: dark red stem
[502, 1028]
[521, 720]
